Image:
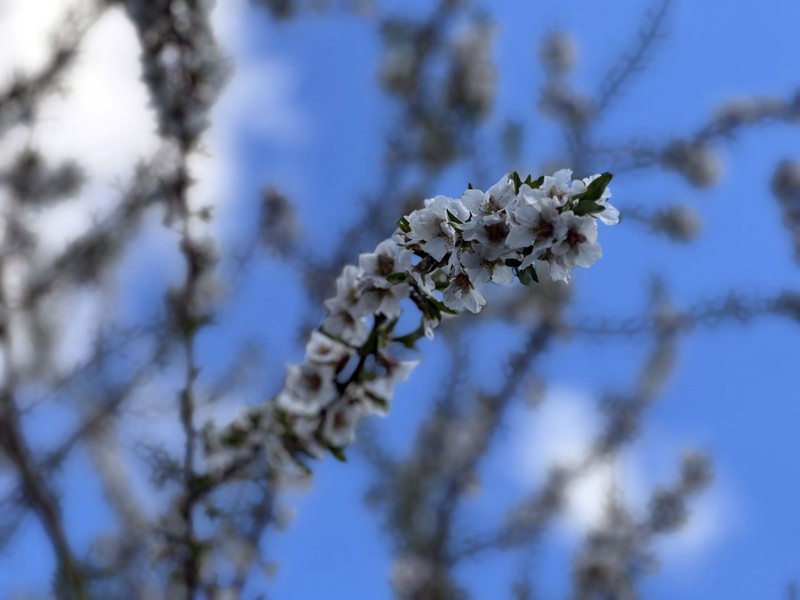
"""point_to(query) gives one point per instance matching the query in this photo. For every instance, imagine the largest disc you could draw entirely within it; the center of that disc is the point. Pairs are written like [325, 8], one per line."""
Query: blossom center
[462, 282]
[314, 381]
[544, 229]
[496, 233]
[575, 238]
[385, 264]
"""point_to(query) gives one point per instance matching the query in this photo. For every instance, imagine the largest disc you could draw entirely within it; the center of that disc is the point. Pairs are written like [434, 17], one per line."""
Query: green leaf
[441, 286]
[588, 207]
[513, 262]
[199, 483]
[527, 275]
[397, 277]
[338, 453]
[409, 339]
[595, 189]
[382, 403]
[433, 311]
[403, 225]
[453, 219]
[534, 184]
[388, 329]
[372, 343]
[517, 182]
[442, 307]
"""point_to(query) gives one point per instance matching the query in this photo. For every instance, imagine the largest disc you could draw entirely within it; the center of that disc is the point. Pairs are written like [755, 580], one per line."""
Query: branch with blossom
[438, 260]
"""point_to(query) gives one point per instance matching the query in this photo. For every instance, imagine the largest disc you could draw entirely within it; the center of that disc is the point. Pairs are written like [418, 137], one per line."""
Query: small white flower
[382, 300]
[348, 294]
[556, 266]
[322, 349]
[423, 282]
[490, 232]
[432, 228]
[377, 293]
[556, 186]
[341, 418]
[347, 285]
[343, 324]
[579, 246]
[481, 270]
[382, 388]
[537, 224]
[461, 294]
[387, 258]
[309, 387]
[305, 430]
[492, 200]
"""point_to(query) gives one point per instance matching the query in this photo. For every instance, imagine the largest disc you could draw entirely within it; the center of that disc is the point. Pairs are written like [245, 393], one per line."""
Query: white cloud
[560, 432]
[102, 120]
[261, 95]
[259, 100]
[24, 29]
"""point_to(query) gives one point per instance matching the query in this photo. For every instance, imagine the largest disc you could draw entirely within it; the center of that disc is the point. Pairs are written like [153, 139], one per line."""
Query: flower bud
[698, 162]
[786, 181]
[681, 223]
[558, 53]
[786, 187]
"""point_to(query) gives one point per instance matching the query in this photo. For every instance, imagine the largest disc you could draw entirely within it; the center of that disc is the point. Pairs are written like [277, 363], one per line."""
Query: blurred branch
[692, 153]
[633, 61]
[623, 413]
[20, 98]
[734, 307]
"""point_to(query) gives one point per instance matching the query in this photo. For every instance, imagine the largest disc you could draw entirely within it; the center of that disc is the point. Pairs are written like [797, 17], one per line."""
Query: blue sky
[303, 113]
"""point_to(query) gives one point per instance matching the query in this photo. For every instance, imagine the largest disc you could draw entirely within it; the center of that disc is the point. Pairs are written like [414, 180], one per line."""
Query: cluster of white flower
[439, 258]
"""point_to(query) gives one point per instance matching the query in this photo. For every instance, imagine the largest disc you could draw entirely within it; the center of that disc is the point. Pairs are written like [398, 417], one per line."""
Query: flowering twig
[438, 259]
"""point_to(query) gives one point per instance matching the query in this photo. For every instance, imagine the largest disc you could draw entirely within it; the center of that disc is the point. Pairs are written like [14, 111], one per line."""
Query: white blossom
[491, 233]
[557, 185]
[309, 387]
[341, 417]
[343, 324]
[537, 224]
[433, 228]
[482, 270]
[323, 349]
[305, 430]
[579, 245]
[348, 294]
[381, 389]
[492, 200]
[461, 294]
[388, 258]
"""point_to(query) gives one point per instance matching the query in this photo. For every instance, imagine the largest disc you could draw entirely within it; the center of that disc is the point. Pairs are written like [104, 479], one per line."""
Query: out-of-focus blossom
[559, 53]
[698, 162]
